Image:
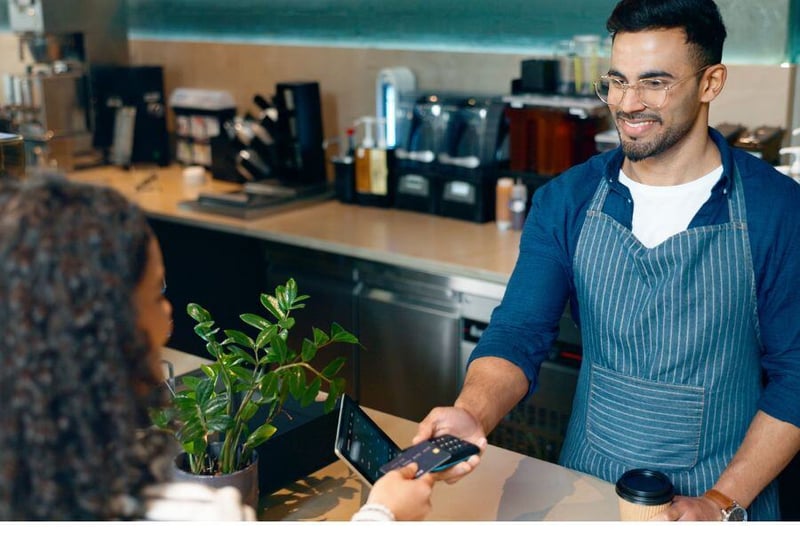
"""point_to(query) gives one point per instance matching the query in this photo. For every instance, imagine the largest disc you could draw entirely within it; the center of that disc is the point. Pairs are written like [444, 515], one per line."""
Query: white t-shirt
[661, 212]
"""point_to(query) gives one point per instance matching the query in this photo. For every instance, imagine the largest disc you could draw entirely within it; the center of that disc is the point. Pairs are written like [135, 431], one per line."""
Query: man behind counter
[679, 256]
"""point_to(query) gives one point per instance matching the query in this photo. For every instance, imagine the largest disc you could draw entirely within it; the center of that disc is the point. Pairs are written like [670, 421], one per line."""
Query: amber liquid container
[12, 156]
[502, 211]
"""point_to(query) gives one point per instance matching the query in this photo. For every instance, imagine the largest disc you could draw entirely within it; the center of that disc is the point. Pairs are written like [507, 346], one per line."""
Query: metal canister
[12, 156]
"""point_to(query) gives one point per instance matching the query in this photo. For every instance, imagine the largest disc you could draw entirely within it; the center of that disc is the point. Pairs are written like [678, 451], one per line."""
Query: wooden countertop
[507, 486]
[433, 244]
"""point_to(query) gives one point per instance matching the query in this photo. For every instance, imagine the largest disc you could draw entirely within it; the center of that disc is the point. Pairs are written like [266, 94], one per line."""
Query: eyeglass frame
[635, 86]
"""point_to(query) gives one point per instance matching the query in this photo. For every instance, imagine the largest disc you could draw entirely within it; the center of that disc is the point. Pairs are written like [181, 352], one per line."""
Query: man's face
[654, 54]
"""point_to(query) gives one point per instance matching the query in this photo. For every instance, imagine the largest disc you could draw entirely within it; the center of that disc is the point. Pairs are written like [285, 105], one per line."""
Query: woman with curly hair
[85, 316]
[81, 280]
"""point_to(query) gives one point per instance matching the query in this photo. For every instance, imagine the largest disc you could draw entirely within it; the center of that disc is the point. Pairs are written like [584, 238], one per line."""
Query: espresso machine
[50, 103]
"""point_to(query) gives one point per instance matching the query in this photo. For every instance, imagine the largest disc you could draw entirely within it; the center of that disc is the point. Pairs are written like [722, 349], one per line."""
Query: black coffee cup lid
[646, 487]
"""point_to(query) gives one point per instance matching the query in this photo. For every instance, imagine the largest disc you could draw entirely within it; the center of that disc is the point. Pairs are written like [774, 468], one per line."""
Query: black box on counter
[200, 137]
[416, 191]
[302, 445]
[467, 197]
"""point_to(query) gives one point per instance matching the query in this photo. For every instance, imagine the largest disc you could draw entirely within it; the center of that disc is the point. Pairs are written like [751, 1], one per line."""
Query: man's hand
[686, 508]
[457, 422]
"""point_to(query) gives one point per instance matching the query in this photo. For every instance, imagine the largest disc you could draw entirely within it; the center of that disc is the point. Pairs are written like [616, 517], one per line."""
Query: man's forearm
[492, 387]
[767, 448]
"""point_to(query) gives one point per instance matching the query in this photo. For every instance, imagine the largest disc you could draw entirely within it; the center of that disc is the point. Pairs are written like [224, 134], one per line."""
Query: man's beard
[637, 151]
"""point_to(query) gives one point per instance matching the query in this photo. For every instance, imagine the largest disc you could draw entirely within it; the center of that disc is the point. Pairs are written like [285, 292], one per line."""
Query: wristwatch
[730, 509]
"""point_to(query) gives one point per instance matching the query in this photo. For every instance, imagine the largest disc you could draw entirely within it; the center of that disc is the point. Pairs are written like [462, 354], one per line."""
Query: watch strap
[725, 503]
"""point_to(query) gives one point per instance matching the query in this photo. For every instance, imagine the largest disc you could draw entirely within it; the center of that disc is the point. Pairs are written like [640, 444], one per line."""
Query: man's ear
[713, 82]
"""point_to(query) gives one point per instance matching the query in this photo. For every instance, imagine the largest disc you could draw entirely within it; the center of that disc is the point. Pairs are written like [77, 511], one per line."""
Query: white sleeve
[373, 512]
[193, 501]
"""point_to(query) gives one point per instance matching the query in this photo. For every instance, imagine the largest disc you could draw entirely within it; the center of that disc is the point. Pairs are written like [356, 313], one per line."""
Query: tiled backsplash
[755, 95]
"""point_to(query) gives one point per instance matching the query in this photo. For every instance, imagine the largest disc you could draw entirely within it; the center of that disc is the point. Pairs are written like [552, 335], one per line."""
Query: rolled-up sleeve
[525, 324]
[778, 226]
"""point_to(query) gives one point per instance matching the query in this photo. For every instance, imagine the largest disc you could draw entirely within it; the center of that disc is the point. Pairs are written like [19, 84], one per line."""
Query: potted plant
[210, 415]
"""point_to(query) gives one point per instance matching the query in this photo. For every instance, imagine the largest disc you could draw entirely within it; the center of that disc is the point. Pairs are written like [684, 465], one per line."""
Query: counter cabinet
[409, 323]
[416, 329]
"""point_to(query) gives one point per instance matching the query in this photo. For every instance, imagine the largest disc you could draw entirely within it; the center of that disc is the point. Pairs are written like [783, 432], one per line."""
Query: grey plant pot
[245, 480]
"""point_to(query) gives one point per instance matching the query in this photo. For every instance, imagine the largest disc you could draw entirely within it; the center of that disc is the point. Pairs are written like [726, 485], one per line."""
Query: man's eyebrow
[644, 75]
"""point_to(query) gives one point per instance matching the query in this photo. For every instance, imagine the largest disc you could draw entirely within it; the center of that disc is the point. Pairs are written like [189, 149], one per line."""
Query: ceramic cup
[643, 493]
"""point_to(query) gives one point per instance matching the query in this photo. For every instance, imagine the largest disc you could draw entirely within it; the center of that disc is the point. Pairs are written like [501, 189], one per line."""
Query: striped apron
[670, 377]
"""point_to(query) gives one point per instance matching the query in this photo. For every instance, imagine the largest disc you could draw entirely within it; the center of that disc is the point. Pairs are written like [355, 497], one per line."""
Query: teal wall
[761, 31]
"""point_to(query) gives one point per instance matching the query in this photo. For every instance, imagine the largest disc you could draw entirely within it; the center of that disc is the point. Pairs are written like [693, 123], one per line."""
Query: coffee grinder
[60, 41]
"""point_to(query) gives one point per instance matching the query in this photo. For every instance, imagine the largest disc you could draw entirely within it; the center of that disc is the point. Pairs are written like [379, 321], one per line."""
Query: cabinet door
[409, 359]
[223, 272]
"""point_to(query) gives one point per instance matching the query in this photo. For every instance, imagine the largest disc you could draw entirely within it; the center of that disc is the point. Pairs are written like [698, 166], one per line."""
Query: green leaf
[211, 370]
[333, 368]
[291, 289]
[338, 385]
[265, 336]
[198, 313]
[320, 337]
[269, 385]
[283, 299]
[308, 350]
[191, 382]
[279, 351]
[161, 418]
[256, 321]
[287, 323]
[204, 331]
[248, 412]
[220, 424]
[339, 334]
[214, 348]
[296, 383]
[242, 355]
[244, 374]
[311, 392]
[205, 389]
[195, 447]
[261, 434]
[240, 338]
[300, 298]
[270, 303]
[330, 402]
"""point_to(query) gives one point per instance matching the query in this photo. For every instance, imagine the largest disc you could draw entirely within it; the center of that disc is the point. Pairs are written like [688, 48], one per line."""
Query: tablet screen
[361, 443]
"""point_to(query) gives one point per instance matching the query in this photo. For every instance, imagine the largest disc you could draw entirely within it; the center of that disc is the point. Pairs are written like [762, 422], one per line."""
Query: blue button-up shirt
[524, 326]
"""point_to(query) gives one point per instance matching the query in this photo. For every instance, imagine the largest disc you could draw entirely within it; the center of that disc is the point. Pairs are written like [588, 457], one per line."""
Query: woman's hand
[406, 497]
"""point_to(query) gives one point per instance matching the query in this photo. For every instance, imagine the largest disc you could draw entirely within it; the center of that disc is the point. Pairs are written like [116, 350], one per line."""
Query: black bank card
[426, 454]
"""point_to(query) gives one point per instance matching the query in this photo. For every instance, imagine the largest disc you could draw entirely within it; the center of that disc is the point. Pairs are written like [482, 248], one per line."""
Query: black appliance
[475, 151]
[139, 90]
[298, 133]
[426, 120]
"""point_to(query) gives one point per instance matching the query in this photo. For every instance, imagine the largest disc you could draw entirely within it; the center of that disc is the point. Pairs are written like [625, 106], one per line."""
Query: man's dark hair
[700, 19]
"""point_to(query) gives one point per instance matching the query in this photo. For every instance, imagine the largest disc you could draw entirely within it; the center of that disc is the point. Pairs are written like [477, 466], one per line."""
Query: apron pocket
[639, 422]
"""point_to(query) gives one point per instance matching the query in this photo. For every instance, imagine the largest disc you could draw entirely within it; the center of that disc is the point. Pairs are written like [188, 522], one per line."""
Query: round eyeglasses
[651, 92]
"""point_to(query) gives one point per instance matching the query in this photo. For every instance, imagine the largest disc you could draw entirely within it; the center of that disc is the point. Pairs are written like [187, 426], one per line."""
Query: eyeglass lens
[612, 92]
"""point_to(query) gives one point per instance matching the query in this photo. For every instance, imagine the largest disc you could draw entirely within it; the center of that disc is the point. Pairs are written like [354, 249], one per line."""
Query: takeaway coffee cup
[643, 494]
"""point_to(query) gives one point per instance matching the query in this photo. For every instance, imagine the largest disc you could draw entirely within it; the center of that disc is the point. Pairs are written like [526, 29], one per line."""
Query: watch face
[736, 514]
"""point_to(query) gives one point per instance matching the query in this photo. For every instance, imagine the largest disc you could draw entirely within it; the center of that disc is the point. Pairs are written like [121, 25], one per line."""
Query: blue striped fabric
[671, 377]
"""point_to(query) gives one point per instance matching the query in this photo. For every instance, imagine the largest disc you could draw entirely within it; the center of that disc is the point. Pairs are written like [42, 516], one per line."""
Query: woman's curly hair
[75, 383]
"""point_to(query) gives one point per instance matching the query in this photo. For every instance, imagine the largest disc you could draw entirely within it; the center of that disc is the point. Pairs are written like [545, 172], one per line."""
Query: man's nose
[631, 101]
